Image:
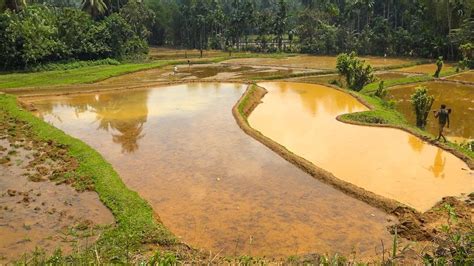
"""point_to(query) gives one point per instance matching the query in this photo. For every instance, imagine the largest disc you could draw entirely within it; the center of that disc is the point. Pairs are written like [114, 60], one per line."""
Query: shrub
[439, 66]
[421, 103]
[381, 91]
[356, 72]
[39, 34]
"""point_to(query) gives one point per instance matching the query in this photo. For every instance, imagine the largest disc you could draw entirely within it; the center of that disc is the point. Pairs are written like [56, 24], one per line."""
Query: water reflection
[212, 185]
[459, 97]
[438, 165]
[124, 116]
[415, 143]
[380, 160]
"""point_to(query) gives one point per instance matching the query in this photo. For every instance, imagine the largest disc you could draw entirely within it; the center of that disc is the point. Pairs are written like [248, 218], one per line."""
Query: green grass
[372, 87]
[86, 74]
[135, 222]
[245, 100]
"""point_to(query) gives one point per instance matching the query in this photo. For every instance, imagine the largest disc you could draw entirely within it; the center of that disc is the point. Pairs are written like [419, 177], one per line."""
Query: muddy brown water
[42, 214]
[467, 76]
[200, 71]
[215, 187]
[314, 62]
[328, 79]
[458, 97]
[386, 161]
[429, 69]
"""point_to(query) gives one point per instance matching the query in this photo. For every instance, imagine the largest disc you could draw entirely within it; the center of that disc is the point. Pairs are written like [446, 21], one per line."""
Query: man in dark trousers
[443, 119]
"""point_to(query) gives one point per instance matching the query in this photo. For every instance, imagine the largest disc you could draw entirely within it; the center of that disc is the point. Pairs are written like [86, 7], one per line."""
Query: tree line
[423, 28]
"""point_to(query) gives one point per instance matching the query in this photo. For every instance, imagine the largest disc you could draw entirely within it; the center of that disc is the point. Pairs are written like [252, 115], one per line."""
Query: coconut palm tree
[94, 7]
[14, 5]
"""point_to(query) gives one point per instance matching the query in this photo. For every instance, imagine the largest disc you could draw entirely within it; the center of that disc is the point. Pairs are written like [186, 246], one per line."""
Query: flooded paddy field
[201, 71]
[212, 185]
[331, 78]
[428, 69]
[458, 97]
[467, 76]
[388, 162]
[314, 62]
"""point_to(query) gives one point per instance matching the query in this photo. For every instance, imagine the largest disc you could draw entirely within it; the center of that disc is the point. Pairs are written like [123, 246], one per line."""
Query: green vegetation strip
[372, 87]
[136, 224]
[383, 113]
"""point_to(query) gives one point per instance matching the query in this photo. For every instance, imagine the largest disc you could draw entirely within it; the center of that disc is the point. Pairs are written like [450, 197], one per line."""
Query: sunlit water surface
[388, 162]
[215, 187]
[458, 97]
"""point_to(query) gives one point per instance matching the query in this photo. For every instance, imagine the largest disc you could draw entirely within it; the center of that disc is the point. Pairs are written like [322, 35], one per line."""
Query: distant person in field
[439, 66]
[443, 119]
[175, 70]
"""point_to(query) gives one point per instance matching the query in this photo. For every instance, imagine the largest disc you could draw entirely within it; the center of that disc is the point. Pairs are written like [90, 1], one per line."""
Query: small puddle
[215, 187]
[386, 161]
[458, 97]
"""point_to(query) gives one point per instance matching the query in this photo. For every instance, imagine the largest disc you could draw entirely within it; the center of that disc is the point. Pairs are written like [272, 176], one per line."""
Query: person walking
[443, 119]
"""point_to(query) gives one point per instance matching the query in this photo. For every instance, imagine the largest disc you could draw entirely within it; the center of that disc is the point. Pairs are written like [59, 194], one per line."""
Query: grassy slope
[87, 74]
[135, 218]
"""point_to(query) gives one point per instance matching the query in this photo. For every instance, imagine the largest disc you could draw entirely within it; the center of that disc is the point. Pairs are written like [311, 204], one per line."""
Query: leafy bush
[39, 34]
[381, 91]
[73, 65]
[421, 103]
[356, 72]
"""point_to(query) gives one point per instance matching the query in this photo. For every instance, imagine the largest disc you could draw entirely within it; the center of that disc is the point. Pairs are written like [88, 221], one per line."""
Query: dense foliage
[424, 28]
[58, 30]
[357, 73]
[38, 34]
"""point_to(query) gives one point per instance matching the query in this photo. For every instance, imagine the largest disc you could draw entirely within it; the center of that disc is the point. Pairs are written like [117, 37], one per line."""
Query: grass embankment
[86, 74]
[384, 113]
[135, 221]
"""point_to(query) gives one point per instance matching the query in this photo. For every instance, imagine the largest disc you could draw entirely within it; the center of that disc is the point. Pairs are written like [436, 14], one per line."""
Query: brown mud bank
[38, 207]
[413, 225]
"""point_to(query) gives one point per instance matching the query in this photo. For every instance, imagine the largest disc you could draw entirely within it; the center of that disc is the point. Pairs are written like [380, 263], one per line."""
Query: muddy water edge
[212, 185]
[37, 208]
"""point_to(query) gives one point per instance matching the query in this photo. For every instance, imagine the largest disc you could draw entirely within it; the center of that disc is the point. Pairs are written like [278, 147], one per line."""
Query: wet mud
[307, 127]
[39, 210]
[211, 184]
[458, 97]
[336, 79]
[313, 62]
